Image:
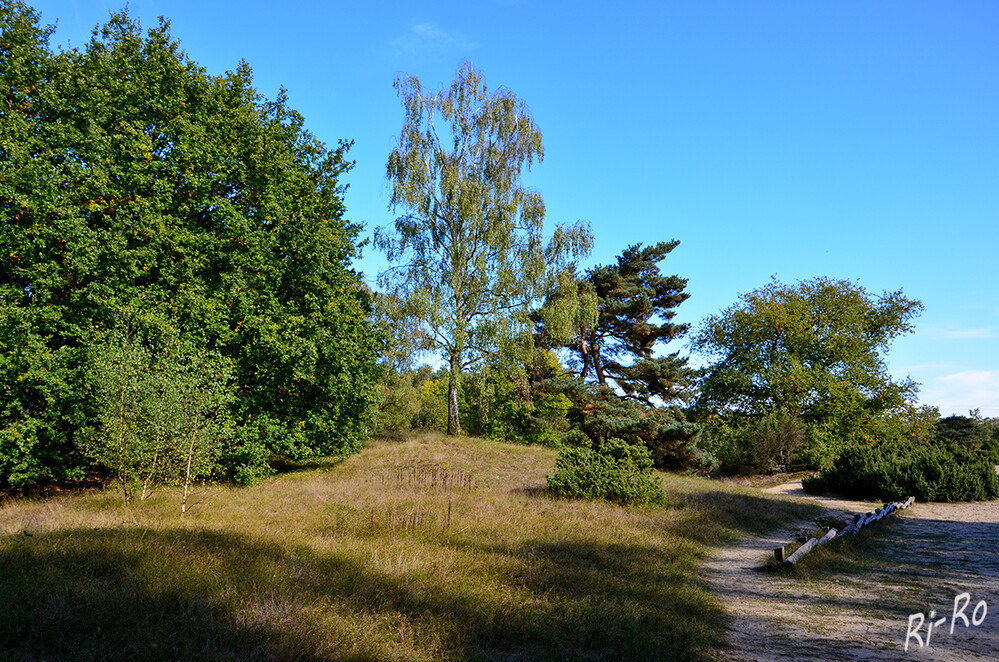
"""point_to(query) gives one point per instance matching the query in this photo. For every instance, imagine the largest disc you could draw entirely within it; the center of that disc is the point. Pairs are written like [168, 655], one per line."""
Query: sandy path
[925, 558]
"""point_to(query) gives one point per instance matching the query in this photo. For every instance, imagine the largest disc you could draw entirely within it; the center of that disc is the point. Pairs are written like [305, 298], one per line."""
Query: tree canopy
[469, 256]
[635, 305]
[136, 189]
[813, 350]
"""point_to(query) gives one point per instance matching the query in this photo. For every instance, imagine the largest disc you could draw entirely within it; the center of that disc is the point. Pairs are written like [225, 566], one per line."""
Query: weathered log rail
[860, 520]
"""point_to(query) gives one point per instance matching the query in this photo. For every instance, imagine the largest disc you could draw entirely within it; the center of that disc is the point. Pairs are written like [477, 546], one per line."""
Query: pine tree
[625, 389]
[635, 307]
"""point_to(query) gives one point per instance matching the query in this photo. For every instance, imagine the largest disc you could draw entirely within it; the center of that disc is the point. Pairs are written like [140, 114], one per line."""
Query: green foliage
[509, 401]
[614, 321]
[433, 404]
[750, 446]
[815, 484]
[895, 470]
[620, 317]
[635, 305]
[813, 351]
[499, 400]
[163, 415]
[971, 432]
[400, 401]
[47, 397]
[617, 471]
[470, 250]
[133, 183]
[601, 414]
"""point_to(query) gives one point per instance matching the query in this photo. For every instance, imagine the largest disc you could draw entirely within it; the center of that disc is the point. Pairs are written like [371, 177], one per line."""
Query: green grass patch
[427, 549]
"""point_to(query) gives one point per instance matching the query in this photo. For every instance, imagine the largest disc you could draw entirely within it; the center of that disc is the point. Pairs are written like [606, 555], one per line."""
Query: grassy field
[427, 549]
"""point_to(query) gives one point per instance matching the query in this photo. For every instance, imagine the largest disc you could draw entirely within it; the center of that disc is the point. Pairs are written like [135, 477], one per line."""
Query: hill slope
[428, 549]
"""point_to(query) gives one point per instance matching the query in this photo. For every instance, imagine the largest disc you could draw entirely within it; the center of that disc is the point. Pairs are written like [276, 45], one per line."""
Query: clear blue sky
[855, 140]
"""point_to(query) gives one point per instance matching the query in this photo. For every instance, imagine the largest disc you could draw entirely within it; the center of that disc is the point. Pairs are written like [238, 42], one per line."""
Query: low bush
[617, 471]
[895, 471]
[815, 484]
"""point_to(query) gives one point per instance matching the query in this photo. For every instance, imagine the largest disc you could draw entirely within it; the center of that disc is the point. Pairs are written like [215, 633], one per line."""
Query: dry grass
[765, 480]
[427, 549]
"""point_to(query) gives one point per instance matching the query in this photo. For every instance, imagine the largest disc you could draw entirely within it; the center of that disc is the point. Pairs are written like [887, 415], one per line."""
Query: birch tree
[468, 255]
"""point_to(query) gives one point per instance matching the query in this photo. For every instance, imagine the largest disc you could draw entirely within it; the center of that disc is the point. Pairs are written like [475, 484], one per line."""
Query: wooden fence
[859, 521]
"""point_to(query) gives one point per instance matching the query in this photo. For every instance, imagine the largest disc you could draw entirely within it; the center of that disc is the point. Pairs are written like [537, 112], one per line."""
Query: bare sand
[926, 556]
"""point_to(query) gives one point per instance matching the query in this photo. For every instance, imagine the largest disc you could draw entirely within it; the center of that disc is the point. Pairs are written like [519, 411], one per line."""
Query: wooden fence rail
[859, 521]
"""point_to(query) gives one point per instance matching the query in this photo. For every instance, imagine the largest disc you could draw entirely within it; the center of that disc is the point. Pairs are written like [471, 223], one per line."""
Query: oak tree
[134, 185]
[813, 350]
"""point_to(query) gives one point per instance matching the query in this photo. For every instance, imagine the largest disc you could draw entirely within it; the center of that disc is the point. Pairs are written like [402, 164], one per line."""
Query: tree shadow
[134, 594]
[740, 513]
[127, 594]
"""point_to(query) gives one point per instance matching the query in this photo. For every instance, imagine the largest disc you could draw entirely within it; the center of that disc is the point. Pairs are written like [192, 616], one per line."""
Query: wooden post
[801, 551]
[859, 521]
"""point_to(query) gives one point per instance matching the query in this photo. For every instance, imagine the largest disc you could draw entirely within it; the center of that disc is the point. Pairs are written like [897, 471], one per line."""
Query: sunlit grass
[427, 549]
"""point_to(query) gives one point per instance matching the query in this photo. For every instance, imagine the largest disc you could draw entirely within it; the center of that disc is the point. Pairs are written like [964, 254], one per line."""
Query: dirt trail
[925, 558]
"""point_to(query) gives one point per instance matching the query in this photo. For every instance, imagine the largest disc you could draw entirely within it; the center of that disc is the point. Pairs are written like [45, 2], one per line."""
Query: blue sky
[854, 140]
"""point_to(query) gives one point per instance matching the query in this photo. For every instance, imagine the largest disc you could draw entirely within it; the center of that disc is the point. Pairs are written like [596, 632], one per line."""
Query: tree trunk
[598, 366]
[453, 422]
[190, 458]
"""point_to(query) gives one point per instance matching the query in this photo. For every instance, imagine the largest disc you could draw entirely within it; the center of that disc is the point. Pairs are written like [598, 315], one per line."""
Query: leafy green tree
[134, 183]
[469, 253]
[814, 350]
[162, 414]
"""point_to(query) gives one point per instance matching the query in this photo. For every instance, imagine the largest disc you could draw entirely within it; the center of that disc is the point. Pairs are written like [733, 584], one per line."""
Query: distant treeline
[177, 301]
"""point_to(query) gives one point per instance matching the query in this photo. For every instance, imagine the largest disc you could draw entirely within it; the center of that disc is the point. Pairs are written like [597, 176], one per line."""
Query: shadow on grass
[132, 594]
[717, 516]
[603, 602]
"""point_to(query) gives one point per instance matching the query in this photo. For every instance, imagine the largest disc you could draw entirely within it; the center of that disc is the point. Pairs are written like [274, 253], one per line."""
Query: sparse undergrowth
[428, 549]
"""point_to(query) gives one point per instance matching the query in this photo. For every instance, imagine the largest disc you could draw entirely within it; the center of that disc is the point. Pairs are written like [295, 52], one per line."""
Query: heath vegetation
[180, 316]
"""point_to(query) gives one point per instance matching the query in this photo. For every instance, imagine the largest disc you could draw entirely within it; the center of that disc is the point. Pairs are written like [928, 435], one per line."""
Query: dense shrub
[971, 432]
[895, 471]
[759, 446]
[617, 471]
